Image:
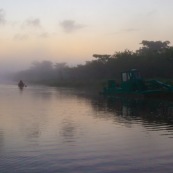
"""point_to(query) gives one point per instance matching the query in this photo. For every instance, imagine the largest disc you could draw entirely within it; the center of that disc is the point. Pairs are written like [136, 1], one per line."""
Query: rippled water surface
[45, 129]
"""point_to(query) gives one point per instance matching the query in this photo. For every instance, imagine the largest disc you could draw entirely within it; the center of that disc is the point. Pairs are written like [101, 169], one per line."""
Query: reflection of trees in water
[147, 111]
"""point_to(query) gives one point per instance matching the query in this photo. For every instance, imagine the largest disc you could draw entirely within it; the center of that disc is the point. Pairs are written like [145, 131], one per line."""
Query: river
[58, 130]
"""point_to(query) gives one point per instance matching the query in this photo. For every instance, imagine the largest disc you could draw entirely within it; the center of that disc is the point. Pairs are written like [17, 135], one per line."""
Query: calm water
[53, 130]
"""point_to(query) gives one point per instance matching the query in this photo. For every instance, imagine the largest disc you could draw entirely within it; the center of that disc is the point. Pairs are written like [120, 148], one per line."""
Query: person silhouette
[21, 84]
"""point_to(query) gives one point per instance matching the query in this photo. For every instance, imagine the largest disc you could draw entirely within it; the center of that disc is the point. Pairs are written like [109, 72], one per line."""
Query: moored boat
[132, 84]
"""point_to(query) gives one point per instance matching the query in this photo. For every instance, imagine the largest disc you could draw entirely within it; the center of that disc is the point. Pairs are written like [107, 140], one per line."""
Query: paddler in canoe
[21, 84]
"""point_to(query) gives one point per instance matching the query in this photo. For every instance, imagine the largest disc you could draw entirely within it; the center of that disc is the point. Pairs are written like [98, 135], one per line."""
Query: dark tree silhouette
[154, 59]
[153, 46]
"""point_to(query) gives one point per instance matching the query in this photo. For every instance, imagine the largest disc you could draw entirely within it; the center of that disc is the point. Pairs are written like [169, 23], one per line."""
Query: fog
[153, 58]
[12, 66]
[16, 62]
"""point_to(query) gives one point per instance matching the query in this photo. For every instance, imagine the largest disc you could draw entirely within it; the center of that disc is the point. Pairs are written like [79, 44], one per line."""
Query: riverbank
[92, 84]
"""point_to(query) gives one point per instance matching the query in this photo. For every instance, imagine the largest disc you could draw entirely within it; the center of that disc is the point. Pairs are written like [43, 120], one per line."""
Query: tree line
[154, 59]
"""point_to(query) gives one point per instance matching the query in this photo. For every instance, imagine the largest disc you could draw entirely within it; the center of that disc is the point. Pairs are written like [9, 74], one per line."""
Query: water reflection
[131, 110]
[31, 128]
[152, 114]
[42, 92]
[62, 130]
[68, 130]
[1, 139]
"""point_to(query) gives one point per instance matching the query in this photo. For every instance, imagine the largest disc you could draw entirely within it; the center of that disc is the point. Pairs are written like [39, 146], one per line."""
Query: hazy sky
[73, 30]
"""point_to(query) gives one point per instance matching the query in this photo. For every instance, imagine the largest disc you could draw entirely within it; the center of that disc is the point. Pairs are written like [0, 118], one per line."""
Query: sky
[72, 31]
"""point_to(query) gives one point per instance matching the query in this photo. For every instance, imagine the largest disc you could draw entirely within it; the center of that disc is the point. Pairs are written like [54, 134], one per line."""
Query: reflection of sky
[58, 130]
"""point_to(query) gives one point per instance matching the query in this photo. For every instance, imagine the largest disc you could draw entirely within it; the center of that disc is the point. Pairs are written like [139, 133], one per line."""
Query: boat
[21, 84]
[132, 84]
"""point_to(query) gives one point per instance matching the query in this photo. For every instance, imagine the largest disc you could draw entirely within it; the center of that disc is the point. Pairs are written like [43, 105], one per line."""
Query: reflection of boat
[133, 85]
[148, 111]
[21, 87]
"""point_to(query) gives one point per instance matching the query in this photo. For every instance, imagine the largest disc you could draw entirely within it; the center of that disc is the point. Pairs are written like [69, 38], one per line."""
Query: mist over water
[44, 129]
